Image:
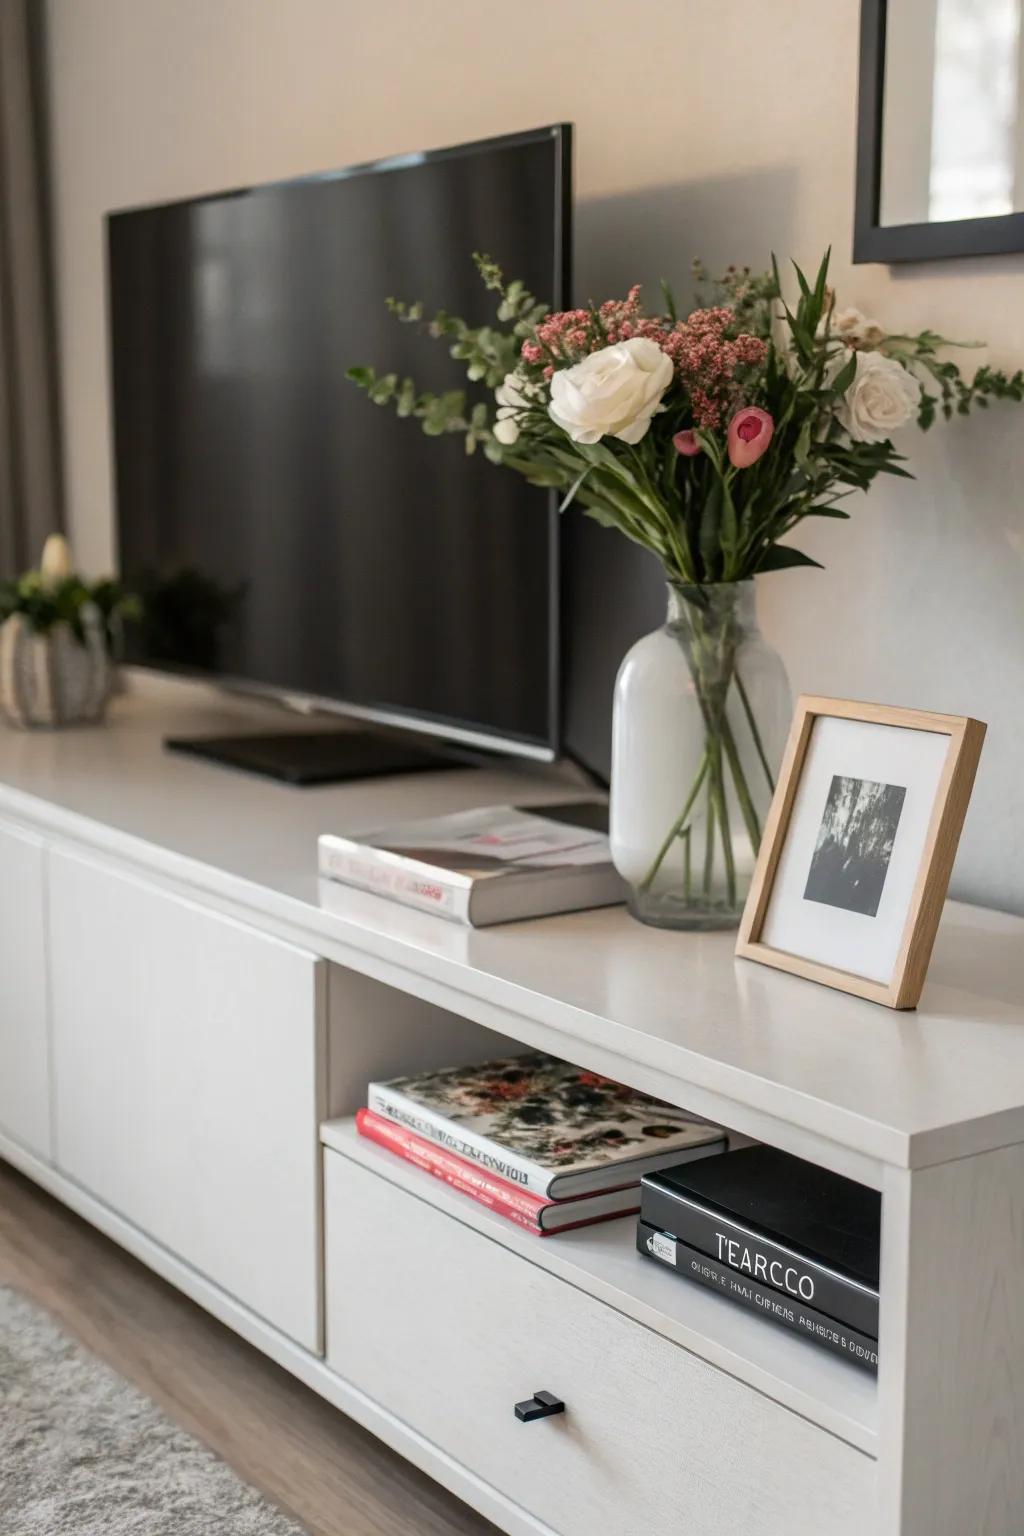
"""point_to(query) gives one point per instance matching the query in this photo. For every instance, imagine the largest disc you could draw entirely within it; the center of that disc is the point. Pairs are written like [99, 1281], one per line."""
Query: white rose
[611, 393]
[515, 393]
[882, 398]
[852, 327]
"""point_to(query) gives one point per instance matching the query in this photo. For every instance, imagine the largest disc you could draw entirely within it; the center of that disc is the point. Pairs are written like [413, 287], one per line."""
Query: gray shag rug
[83, 1453]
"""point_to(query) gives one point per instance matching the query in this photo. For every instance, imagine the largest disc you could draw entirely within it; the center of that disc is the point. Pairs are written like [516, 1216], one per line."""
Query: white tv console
[188, 1020]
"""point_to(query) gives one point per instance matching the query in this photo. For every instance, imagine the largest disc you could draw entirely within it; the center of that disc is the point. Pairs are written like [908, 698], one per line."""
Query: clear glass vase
[702, 711]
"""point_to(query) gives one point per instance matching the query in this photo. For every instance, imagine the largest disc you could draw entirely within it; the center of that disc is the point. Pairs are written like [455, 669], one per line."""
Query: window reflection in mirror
[953, 128]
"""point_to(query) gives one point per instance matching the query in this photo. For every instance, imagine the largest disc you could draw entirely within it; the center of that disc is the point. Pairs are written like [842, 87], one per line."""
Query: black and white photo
[858, 847]
[854, 844]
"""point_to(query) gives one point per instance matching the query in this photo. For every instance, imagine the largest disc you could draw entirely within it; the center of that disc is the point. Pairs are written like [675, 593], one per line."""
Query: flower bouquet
[706, 438]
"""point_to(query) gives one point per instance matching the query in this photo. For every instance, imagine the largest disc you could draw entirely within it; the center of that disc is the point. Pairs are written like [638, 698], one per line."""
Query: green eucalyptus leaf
[382, 389]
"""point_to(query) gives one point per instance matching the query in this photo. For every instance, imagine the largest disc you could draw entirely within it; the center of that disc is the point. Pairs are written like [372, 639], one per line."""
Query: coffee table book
[786, 1224]
[480, 867]
[775, 1307]
[544, 1125]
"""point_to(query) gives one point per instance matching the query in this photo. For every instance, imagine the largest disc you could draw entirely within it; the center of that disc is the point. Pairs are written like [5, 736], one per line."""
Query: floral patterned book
[544, 1125]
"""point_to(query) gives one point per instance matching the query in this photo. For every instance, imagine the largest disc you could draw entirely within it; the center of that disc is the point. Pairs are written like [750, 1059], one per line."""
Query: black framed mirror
[940, 130]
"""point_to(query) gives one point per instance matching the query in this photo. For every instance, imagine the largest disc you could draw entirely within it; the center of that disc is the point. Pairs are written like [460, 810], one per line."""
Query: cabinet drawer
[447, 1329]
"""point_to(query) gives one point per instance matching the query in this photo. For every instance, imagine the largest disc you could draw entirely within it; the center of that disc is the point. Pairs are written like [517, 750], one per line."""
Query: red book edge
[465, 1177]
[505, 1199]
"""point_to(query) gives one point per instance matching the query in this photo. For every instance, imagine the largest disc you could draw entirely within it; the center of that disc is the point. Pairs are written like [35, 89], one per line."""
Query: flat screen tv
[287, 535]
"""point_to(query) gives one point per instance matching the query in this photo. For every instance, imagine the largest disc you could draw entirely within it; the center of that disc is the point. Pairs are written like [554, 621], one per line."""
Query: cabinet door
[188, 1072]
[24, 1048]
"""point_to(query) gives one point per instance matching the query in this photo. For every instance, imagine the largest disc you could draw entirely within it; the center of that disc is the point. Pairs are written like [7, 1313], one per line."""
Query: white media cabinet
[188, 1020]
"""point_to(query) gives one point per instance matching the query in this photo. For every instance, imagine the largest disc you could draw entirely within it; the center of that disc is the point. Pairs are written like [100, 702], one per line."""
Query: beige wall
[720, 129]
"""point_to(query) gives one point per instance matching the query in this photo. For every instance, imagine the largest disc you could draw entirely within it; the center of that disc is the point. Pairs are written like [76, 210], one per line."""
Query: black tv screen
[287, 534]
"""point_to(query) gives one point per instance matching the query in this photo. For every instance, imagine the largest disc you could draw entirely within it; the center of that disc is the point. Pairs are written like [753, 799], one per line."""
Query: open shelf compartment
[602, 1261]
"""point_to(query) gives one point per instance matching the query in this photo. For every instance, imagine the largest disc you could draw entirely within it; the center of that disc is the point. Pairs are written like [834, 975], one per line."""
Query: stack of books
[538, 1141]
[796, 1243]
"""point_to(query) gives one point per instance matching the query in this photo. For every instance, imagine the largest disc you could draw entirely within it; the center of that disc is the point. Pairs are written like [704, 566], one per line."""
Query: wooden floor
[327, 1473]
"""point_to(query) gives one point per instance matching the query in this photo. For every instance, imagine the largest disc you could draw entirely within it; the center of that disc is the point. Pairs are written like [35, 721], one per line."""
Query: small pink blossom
[687, 443]
[750, 432]
[707, 359]
[709, 362]
[563, 336]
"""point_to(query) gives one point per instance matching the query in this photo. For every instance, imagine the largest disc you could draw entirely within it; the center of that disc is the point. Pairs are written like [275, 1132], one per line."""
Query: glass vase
[702, 711]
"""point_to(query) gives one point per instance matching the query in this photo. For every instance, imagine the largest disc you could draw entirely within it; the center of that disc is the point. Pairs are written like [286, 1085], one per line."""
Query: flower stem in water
[710, 654]
[722, 817]
[755, 733]
[739, 778]
[678, 825]
[709, 844]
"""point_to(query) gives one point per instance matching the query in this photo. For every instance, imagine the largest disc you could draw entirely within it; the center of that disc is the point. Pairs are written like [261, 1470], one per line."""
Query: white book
[544, 1125]
[484, 866]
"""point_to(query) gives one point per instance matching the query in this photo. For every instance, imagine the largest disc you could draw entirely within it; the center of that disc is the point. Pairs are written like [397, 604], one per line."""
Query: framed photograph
[859, 846]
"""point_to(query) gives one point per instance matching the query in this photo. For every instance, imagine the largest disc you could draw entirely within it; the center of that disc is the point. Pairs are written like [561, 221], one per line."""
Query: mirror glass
[953, 111]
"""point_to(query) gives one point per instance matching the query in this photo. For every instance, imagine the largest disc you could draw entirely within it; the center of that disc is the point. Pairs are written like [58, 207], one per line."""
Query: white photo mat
[828, 934]
[859, 845]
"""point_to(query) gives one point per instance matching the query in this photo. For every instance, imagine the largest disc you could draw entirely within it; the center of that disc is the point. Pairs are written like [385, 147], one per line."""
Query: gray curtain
[30, 468]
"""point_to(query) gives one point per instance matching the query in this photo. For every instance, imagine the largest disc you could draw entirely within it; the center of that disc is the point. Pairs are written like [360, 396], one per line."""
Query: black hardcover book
[788, 1225]
[785, 1311]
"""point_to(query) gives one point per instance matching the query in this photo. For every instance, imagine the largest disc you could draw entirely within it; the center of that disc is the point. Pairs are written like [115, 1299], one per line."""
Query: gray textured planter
[53, 680]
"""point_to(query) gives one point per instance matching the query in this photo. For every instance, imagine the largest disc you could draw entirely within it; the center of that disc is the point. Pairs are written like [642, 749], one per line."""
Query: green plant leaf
[710, 530]
[567, 500]
[783, 557]
[845, 377]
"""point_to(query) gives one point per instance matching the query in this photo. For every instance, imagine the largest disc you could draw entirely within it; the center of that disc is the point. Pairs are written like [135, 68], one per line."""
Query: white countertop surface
[903, 1089]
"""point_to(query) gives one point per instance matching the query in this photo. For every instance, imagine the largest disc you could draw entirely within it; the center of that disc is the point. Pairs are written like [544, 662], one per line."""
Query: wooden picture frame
[952, 795]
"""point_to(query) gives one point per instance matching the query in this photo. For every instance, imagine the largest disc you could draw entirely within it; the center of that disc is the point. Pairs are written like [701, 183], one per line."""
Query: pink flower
[710, 362]
[687, 443]
[750, 432]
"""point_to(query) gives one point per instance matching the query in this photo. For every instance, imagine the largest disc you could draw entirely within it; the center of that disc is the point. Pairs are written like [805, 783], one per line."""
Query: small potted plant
[58, 637]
